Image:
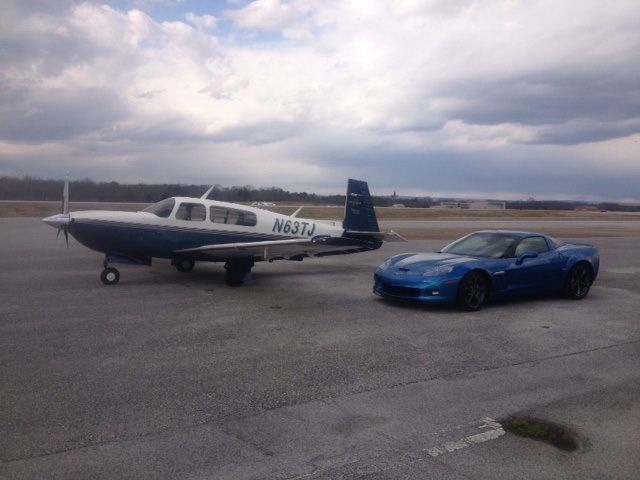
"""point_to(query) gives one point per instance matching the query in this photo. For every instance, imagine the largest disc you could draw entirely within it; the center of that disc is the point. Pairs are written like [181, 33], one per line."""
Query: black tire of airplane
[230, 280]
[110, 276]
[185, 265]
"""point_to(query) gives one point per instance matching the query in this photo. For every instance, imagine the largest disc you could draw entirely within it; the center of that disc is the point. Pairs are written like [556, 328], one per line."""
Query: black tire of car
[578, 281]
[185, 265]
[473, 291]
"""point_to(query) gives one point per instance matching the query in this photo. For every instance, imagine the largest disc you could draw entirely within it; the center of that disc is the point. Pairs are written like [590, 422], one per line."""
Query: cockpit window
[232, 216]
[161, 209]
[191, 211]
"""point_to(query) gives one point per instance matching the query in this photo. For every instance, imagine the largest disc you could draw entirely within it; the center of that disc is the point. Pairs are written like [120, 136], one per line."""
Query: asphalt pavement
[304, 373]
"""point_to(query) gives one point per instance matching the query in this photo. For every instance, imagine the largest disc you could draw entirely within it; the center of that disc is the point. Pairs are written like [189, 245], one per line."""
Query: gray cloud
[56, 114]
[576, 106]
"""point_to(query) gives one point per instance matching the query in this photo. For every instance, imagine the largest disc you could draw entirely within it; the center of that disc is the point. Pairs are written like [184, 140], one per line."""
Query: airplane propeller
[63, 228]
[61, 221]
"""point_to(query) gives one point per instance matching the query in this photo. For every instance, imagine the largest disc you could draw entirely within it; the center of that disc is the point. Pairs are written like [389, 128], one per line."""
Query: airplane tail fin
[359, 214]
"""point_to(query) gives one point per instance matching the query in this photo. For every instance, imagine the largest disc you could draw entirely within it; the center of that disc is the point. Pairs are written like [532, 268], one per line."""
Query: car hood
[421, 261]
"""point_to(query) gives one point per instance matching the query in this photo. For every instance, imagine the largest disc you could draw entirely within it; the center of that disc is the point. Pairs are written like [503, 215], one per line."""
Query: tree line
[569, 205]
[86, 190]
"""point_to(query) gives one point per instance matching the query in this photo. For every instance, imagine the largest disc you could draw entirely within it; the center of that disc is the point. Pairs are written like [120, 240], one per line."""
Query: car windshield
[162, 209]
[482, 244]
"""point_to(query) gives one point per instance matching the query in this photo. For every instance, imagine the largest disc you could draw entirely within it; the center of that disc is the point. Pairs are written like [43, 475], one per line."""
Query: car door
[541, 274]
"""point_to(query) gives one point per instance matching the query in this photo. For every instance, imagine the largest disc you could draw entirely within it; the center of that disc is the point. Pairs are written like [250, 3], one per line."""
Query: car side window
[532, 244]
[191, 211]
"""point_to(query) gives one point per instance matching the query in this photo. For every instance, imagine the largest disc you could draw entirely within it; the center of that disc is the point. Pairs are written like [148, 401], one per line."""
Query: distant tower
[395, 195]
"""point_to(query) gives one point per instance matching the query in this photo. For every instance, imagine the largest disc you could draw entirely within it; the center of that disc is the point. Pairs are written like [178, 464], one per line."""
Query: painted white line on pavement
[494, 430]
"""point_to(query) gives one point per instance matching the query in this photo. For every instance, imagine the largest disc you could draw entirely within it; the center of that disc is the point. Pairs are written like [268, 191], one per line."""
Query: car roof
[515, 233]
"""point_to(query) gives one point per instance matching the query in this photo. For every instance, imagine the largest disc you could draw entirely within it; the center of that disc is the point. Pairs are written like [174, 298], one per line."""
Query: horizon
[461, 197]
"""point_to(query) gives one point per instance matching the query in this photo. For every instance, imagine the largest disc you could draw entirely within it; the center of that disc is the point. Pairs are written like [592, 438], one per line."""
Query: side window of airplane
[242, 217]
[191, 211]
[218, 214]
[232, 216]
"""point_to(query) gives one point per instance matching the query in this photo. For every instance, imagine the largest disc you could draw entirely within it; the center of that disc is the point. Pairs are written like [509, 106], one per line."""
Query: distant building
[398, 205]
[587, 208]
[473, 205]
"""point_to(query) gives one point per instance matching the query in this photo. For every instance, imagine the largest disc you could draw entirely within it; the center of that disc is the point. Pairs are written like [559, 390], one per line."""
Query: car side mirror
[524, 256]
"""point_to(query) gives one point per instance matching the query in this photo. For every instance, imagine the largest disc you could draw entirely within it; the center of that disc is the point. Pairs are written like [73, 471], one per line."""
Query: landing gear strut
[238, 271]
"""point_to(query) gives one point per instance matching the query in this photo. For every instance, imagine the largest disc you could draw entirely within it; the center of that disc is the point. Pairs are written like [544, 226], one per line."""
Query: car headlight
[439, 270]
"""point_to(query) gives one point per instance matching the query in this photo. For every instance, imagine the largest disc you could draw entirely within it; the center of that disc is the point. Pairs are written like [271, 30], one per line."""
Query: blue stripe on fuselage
[153, 240]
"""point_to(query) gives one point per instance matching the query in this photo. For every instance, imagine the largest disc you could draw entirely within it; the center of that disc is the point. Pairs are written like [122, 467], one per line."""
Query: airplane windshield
[161, 209]
[482, 244]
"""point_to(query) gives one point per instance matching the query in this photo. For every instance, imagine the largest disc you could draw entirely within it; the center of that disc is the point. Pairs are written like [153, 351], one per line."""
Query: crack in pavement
[220, 421]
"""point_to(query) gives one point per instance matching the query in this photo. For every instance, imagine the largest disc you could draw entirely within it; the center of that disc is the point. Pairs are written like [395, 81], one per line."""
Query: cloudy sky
[487, 98]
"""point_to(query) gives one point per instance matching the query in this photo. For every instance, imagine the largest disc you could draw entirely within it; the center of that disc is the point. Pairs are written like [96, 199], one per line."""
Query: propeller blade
[66, 235]
[65, 196]
[58, 234]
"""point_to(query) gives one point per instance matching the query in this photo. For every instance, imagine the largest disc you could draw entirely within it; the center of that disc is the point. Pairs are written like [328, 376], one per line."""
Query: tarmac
[304, 373]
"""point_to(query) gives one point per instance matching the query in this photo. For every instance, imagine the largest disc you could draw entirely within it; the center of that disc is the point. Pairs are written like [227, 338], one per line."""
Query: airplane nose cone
[57, 221]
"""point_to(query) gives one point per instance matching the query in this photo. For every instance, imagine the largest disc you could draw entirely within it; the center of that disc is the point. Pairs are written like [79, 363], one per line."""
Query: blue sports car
[488, 265]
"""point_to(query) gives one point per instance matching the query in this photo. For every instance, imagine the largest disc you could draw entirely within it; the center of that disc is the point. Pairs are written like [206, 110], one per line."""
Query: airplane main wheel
[238, 271]
[185, 265]
[110, 276]
[232, 279]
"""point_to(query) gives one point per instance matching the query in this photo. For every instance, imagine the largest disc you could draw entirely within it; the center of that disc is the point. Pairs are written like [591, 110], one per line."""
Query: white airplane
[187, 230]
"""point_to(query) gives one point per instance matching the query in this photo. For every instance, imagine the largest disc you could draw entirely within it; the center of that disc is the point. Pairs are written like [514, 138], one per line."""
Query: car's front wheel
[473, 291]
[579, 281]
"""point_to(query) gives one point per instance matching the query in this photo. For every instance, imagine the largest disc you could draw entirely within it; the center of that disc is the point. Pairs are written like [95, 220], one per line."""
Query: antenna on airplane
[295, 214]
[207, 193]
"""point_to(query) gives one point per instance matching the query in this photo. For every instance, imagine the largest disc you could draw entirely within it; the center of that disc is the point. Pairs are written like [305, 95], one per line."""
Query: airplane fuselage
[187, 230]
[145, 234]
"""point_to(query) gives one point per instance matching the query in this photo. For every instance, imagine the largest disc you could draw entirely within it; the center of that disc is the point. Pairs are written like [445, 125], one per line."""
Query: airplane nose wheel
[110, 276]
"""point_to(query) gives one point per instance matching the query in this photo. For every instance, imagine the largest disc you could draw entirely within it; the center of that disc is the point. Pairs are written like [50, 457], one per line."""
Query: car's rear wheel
[473, 291]
[579, 281]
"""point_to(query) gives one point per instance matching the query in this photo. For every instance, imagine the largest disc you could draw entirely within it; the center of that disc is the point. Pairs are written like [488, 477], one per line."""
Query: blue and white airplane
[187, 230]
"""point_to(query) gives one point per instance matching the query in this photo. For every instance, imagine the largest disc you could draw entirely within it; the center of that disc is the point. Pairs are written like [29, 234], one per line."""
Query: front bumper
[440, 290]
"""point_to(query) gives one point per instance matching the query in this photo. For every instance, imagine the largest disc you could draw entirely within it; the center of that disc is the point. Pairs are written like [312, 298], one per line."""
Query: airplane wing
[295, 248]
[390, 236]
